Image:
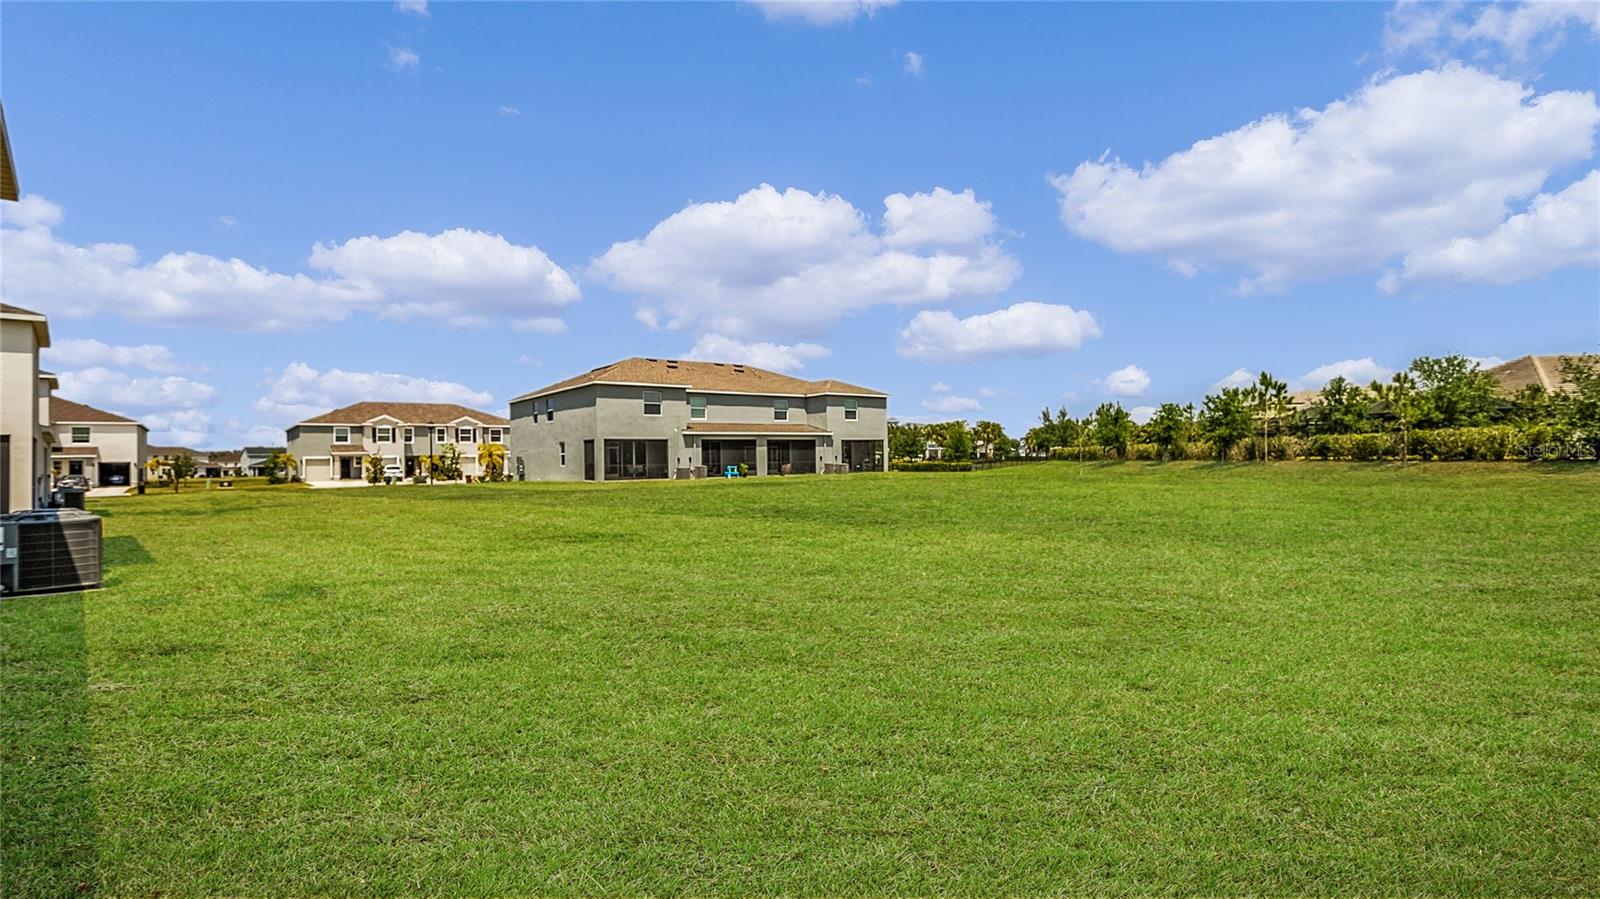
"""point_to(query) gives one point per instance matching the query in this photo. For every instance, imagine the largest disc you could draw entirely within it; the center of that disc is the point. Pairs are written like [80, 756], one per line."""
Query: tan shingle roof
[711, 377]
[405, 413]
[1526, 371]
[760, 427]
[64, 411]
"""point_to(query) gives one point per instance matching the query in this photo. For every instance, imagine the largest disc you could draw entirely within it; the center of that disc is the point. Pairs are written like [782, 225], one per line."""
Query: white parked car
[392, 473]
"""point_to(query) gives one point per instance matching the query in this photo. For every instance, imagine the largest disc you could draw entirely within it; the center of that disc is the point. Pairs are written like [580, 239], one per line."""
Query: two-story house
[334, 446]
[25, 435]
[108, 449]
[660, 418]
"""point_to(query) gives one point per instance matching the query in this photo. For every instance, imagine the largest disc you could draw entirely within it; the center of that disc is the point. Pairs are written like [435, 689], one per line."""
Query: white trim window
[780, 410]
[463, 435]
[697, 408]
[384, 434]
[441, 435]
[851, 410]
[652, 402]
[410, 434]
[496, 435]
[341, 435]
[563, 449]
[550, 409]
[80, 433]
[538, 409]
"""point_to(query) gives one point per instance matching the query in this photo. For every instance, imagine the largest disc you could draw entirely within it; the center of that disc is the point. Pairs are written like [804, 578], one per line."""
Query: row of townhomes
[665, 418]
[335, 446]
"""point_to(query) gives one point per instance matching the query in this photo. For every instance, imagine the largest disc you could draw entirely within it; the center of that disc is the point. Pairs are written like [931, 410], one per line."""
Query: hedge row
[929, 465]
[1486, 444]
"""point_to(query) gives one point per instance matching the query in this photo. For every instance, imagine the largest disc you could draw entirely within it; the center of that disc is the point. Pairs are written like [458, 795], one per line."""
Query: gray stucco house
[666, 418]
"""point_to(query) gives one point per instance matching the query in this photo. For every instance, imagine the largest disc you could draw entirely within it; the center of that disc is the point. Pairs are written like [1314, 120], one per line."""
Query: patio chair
[731, 471]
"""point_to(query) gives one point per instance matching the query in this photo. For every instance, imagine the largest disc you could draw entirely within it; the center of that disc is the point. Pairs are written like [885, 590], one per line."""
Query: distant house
[1528, 371]
[253, 461]
[25, 435]
[660, 418]
[334, 446]
[207, 463]
[108, 449]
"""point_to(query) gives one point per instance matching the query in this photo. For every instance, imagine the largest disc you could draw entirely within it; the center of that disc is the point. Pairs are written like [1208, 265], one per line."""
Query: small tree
[374, 469]
[1225, 420]
[448, 465]
[1171, 427]
[181, 467]
[492, 461]
[1269, 397]
[1342, 408]
[957, 441]
[907, 441]
[1453, 392]
[281, 467]
[1578, 409]
[1402, 402]
[1113, 428]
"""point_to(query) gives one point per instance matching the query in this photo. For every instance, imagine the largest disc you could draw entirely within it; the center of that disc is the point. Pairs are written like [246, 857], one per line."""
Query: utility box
[49, 550]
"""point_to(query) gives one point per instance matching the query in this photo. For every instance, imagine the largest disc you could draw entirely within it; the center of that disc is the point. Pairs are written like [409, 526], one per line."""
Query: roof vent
[648, 359]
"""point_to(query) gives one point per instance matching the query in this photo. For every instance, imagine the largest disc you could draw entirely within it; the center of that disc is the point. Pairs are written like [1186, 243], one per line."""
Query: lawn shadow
[47, 814]
[125, 551]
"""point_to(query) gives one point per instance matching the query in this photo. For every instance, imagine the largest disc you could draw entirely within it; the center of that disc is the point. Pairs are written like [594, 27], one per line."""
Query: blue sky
[240, 215]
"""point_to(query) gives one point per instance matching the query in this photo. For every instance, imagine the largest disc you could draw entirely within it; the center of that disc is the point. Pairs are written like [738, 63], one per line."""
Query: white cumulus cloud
[1361, 371]
[820, 12]
[1239, 377]
[414, 7]
[79, 353]
[458, 276]
[1403, 165]
[787, 264]
[1130, 380]
[950, 404]
[914, 64]
[119, 391]
[1522, 30]
[1019, 329]
[300, 391]
[182, 427]
[1141, 415]
[762, 354]
[1557, 231]
[402, 58]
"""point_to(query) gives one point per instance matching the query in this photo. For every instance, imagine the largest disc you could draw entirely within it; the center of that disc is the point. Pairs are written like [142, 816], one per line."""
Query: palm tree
[284, 462]
[491, 460]
[1401, 396]
[1270, 397]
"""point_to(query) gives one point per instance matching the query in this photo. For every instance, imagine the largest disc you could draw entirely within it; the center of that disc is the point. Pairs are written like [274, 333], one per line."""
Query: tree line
[1437, 408]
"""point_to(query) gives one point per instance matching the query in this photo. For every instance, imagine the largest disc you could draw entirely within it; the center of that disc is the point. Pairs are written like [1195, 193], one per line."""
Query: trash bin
[72, 498]
[141, 488]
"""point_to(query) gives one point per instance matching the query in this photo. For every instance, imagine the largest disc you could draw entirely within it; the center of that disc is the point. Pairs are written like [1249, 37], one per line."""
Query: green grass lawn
[1304, 678]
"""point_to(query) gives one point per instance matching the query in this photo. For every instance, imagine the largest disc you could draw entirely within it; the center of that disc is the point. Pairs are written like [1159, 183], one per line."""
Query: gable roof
[65, 411]
[710, 377]
[1526, 371]
[405, 413]
[41, 325]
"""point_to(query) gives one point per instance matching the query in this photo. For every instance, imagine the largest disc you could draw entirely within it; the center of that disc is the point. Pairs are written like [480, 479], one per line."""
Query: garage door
[317, 469]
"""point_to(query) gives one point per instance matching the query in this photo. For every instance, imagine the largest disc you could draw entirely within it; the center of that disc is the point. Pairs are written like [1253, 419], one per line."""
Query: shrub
[1487, 444]
[930, 465]
[1279, 449]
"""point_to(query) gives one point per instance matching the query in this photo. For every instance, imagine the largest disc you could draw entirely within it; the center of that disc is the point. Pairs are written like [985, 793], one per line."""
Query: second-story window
[697, 407]
[441, 435]
[80, 433]
[652, 402]
[463, 435]
[538, 409]
[410, 434]
[341, 435]
[496, 435]
[550, 409]
[850, 410]
[780, 410]
[385, 435]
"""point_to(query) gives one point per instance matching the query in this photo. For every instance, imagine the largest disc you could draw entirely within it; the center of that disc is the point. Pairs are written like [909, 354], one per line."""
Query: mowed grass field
[1300, 678]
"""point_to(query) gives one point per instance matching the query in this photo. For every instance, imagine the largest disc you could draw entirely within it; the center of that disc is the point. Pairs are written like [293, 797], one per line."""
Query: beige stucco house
[334, 446]
[24, 410]
[108, 449]
[660, 418]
